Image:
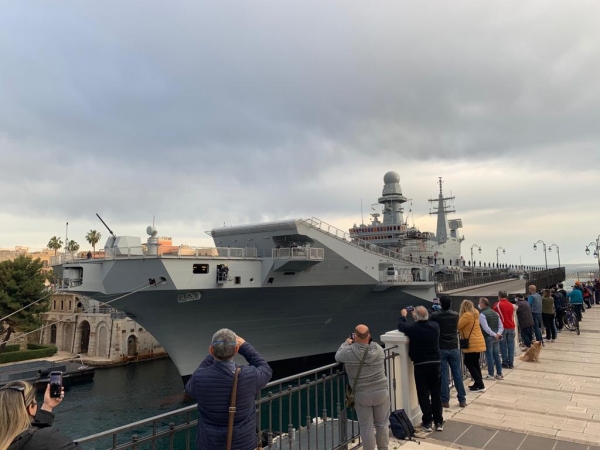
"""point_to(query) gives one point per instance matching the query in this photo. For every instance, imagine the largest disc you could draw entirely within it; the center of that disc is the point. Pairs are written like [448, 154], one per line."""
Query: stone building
[79, 325]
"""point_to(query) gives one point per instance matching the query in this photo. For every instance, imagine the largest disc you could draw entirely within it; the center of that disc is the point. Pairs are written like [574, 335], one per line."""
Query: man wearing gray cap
[212, 386]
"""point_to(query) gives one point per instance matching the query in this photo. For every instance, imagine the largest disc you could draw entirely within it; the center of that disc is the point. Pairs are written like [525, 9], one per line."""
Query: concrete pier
[553, 405]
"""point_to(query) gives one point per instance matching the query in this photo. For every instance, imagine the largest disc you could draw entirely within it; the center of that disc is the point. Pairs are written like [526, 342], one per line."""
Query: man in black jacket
[424, 351]
[449, 352]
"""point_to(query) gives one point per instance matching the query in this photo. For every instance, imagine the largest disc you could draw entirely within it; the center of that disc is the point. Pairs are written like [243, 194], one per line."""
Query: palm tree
[72, 246]
[55, 244]
[93, 237]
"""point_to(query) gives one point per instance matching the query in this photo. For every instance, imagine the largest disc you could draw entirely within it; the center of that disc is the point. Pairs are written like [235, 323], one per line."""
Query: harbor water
[120, 395]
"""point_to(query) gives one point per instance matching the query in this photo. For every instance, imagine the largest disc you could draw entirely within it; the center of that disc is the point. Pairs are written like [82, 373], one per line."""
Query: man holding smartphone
[424, 351]
[371, 395]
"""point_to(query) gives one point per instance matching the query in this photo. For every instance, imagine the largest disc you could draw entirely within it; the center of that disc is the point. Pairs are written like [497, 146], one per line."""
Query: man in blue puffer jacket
[211, 385]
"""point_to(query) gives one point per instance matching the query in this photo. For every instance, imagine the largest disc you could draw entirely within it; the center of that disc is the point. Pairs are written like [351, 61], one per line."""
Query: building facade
[79, 325]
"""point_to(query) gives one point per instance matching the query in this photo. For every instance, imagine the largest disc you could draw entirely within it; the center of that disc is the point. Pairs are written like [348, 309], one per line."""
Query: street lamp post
[497, 257]
[596, 245]
[472, 262]
[545, 258]
[557, 252]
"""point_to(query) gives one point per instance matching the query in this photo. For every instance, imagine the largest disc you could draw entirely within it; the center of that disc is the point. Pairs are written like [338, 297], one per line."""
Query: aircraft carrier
[292, 288]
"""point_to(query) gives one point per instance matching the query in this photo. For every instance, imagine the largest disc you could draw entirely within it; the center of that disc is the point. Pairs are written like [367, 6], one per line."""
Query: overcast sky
[204, 113]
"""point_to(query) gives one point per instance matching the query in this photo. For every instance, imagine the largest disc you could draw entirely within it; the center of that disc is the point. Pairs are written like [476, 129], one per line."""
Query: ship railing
[301, 411]
[298, 253]
[141, 252]
[318, 224]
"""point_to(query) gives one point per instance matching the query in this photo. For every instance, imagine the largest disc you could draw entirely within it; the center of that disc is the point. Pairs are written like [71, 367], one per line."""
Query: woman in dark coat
[24, 426]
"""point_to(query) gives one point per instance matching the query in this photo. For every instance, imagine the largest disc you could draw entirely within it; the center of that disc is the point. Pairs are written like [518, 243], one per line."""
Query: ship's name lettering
[189, 297]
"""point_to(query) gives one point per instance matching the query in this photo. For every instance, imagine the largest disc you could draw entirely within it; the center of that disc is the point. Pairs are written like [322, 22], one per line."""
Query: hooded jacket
[42, 436]
[468, 326]
[524, 314]
[448, 322]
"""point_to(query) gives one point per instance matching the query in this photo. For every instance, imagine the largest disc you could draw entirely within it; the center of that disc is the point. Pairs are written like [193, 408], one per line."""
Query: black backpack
[402, 427]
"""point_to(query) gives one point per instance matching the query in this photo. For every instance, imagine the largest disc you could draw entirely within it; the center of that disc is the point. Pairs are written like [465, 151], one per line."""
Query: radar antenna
[104, 223]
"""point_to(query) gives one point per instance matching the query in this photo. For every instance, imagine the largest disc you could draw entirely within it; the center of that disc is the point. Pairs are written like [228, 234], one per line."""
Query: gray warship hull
[282, 323]
[298, 291]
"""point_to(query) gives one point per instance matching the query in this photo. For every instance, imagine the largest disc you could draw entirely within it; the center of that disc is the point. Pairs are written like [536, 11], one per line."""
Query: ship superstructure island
[292, 287]
[442, 249]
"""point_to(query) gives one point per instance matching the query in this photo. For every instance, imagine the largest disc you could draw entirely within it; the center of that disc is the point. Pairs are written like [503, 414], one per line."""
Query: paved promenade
[553, 405]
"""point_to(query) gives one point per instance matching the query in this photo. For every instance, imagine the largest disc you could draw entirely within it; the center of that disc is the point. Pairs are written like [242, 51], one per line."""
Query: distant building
[79, 325]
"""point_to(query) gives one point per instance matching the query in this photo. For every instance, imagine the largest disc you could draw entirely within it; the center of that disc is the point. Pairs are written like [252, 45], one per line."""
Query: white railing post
[406, 396]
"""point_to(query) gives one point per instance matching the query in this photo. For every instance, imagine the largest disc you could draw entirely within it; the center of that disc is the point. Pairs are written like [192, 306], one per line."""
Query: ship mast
[441, 210]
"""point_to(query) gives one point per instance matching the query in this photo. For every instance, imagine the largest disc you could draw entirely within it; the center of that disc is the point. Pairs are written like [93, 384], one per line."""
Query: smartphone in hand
[56, 384]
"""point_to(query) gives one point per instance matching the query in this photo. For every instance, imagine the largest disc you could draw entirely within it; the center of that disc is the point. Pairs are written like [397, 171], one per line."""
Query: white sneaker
[489, 377]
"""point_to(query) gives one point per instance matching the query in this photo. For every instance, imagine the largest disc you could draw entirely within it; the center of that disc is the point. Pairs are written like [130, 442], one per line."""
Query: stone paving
[552, 405]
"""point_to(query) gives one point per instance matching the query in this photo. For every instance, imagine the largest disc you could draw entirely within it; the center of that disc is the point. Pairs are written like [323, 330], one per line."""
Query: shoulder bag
[232, 408]
[464, 343]
[350, 391]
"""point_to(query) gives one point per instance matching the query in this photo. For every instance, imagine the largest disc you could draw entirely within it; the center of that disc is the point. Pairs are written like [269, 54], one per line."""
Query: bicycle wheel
[568, 322]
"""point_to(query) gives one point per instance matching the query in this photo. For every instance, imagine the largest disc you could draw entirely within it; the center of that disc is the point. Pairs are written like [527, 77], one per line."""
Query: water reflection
[121, 395]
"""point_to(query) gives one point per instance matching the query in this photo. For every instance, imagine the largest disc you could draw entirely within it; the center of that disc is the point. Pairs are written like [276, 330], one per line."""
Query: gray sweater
[372, 376]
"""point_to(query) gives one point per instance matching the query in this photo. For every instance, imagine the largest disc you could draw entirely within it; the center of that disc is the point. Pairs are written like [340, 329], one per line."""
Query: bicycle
[570, 320]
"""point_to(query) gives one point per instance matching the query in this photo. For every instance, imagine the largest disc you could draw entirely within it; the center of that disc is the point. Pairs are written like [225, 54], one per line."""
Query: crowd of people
[440, 340]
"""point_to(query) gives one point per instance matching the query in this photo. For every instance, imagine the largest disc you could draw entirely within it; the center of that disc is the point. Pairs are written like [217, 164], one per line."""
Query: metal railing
[471, 281]
[357, 242]
[298, 253]
[302, 411]
[141, 252]
[546, 278]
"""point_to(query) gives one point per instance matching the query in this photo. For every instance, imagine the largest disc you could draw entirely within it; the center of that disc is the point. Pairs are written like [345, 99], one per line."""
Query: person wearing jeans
[535, 303]
[492, 327]
[449, 352]
[525, 320]
[469, 329]
[506, 311]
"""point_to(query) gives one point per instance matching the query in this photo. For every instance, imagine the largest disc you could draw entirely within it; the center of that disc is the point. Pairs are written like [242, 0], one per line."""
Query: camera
[352, 336]
[410, 308]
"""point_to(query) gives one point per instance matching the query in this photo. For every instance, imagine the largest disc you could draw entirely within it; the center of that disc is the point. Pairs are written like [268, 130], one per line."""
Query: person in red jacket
[506, 311]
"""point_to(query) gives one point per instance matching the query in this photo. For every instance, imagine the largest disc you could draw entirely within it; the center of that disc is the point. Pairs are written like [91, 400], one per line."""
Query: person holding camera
[24, 425]
[213, 384]
[424, 351]
[363, 360]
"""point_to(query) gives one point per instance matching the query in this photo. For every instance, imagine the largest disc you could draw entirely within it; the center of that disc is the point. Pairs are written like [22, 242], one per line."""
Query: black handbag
[464, 343]
[350, 391]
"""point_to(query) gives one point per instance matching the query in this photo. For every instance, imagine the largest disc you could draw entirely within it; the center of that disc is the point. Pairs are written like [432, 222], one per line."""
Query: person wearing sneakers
[506, 311]
[449, 352]
[469, 329]
[424, 351]
[492, 331]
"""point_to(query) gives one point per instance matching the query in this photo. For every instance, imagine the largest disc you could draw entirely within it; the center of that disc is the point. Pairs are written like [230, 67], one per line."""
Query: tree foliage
[72, 246]
[55, 244]
[22, 282]
[93, 237]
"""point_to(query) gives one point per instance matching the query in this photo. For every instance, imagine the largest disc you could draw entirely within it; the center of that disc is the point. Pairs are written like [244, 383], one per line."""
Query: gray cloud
[249, 111]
